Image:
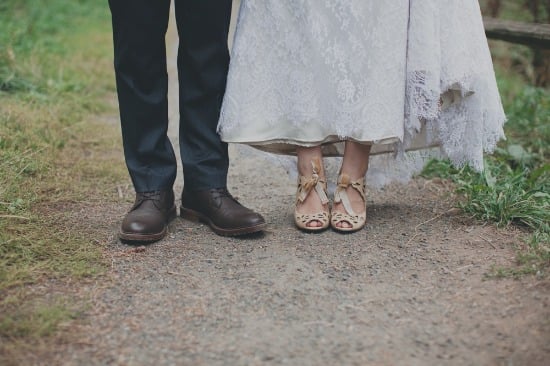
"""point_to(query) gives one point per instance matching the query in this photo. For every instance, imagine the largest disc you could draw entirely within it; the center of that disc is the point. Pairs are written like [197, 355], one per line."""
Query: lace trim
[329, 61]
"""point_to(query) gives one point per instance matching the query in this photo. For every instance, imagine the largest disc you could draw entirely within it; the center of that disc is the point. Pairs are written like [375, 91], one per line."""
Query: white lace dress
[414, 78]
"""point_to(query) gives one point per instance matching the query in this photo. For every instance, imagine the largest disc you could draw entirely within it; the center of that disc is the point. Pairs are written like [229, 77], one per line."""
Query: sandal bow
[306, 185]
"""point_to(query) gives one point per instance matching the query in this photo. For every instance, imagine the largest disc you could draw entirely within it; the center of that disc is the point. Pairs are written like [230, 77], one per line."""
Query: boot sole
[195, 216]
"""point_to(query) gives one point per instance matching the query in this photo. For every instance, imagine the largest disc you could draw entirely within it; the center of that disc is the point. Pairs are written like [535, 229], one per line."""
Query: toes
[343, 225]
[314, 223]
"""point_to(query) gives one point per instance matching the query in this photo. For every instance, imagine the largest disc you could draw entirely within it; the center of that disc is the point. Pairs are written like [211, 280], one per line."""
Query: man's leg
[139, 28]
[203, 61]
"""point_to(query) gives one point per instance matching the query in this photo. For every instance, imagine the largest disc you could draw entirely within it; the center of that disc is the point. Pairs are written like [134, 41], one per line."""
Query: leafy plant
[514, 188]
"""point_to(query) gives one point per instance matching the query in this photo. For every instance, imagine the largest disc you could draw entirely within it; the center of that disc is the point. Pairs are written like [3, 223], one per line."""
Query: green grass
[55, 77]
[40, 321]
[514, 188]
[32, 29]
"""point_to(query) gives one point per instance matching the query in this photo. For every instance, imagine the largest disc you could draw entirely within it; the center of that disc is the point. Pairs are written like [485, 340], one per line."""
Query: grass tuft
[40, 320]
[514, 188]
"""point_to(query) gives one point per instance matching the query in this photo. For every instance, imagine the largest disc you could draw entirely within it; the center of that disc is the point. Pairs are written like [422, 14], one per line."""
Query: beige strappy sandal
[305, 187]
[357, 221]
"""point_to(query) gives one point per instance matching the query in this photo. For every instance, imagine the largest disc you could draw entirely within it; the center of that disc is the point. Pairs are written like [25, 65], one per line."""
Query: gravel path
[410, 289]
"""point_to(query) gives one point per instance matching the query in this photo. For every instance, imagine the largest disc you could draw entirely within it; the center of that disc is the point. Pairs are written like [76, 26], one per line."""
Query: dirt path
[408, 290]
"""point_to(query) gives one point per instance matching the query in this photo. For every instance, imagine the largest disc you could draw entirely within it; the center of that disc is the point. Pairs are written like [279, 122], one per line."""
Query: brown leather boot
[223, 213]
[148, 219]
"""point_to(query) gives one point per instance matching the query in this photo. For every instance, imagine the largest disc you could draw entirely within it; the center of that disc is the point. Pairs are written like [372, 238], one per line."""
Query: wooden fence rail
[529, 34]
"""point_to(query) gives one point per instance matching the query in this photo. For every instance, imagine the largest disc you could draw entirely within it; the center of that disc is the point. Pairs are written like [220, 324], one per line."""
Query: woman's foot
[349, 207]
[312, 212]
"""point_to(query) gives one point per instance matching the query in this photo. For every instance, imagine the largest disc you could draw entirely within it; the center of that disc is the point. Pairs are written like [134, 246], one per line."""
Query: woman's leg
[355, 165]
[312, 203]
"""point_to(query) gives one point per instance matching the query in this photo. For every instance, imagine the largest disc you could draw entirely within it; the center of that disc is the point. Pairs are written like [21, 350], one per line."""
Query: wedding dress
[414, 78]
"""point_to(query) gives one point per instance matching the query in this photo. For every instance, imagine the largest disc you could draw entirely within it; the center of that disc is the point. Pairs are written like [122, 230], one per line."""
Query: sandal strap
[341, 196]
[306, 185]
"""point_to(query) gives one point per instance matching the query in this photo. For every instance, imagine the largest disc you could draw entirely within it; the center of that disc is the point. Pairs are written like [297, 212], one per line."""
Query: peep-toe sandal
[356, 221]
[307, 185]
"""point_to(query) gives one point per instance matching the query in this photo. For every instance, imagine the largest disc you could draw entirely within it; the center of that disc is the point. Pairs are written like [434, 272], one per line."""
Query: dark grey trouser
[139, 29]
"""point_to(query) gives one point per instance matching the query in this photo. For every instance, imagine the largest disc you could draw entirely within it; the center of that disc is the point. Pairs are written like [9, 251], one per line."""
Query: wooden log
[529, 34]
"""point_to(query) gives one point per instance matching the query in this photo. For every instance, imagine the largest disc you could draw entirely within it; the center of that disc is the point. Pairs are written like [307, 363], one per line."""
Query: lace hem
[329, 61]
